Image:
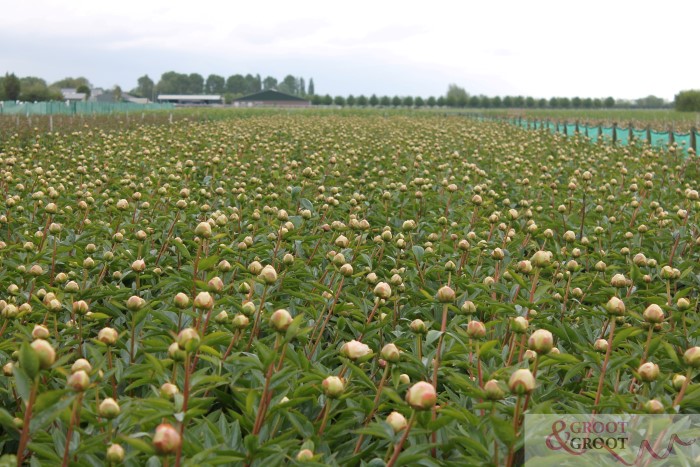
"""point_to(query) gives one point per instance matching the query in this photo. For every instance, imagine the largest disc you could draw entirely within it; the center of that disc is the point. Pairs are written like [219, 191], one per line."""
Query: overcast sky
[588, 48]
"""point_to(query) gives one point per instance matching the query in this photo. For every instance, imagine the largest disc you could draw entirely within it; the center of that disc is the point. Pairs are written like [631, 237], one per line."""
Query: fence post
[671, 136]
[600, 131]
[614, 133]
[649, 134]
[576, 128]
[693, 140]
[566, 130]
[630, 134]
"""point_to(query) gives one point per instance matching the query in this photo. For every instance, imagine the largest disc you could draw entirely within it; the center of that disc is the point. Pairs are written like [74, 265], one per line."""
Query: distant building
[71, 94]
[191, 99]
[271, 98]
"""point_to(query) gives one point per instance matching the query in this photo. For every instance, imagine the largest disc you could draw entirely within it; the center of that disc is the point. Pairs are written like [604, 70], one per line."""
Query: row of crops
[335, 289]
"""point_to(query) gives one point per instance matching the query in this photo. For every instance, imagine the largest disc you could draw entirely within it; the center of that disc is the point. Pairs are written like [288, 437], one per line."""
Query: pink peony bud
[166, 439]
[354, 350]
[421, 396]
[521, 382]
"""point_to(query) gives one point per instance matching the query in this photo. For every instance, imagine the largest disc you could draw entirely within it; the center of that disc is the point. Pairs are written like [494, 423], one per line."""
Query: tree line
[34, 89]
[237, 85]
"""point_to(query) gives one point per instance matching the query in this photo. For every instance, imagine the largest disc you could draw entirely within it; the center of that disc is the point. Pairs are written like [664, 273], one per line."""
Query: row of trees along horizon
[32, 89]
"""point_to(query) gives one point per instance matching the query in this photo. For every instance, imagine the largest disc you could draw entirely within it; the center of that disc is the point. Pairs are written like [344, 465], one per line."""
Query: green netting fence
[75, 108]
[617, 135]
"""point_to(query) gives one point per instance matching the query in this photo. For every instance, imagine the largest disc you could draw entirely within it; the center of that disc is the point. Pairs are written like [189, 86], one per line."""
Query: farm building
[271, 98]
[191, 99]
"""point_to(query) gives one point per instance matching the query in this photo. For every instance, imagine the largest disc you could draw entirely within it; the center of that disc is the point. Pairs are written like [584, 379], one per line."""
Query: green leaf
[503, 429]
[29, 360]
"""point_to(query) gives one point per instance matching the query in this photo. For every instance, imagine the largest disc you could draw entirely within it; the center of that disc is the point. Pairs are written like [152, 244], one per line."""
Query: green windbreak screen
[75, 108]
[622, 135]
[640, 134]
[659, 138]
[683, 140]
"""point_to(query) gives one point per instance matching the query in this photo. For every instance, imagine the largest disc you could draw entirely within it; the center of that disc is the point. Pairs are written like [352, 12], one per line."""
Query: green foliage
[11, 87]
[687, 101]
[296, 190]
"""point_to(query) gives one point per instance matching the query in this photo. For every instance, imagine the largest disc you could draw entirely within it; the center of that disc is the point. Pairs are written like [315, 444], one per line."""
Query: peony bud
[168, 390]
[188, 339]
[521, 382]
[135, 303]
[421, 396]
[541, 341]
[601, 345]
[618, 281]
[654, 407]
[78, 381]
[468, 307]
[204, 301]
[215, 284]
[493, 390]
[108, 336]
[653, 314]
[40, 332]
[648, 372]
[138, 266]
[355, 350]
[390, 353]
[519, 324]
[615, 306]
[305, 455]
[333, 387]
[115, 454]
[108, 409]
[678, 382]
[166, 439]
[182, 301]
[203, 230]
[445, 294]
[382, 290]
[268, 275]
[541, 259]
[240, 321]
[46, 353]
[280, 320]
[683, 304]
[418, 326]
[396, 421]
[81, 364]
[476, 330]
[691, 357]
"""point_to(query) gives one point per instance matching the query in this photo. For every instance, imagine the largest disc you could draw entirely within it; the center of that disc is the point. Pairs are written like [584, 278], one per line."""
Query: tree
[362, 100]
[339, 100]
[11, 87]
[588, 103]
[385, 101]
[35, 90]
[289, 85]
[431, 101]
[327, 100]
[173, 83]
[597, 103]
[530, 102]
[73, 83]
[474, 101]
[316, 100]
[519, 102]
[407, 101]
[456, 96]
[609, 103]
[508, 102]
[484, 102]
[350, 100]
[270, 83]
[373, 100]
[496, 102]
[117, 93]
[564, 102]
[235, 84]
[554, 103]
[542, 103]
[650, 102]
[215, 84]
[302, 87]
[419, 102]
[145, 87]
[396, 101]
[440, 102]
[312, 89]
[252, 84]
[687, 101]
[576, 102]
[85, 90]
